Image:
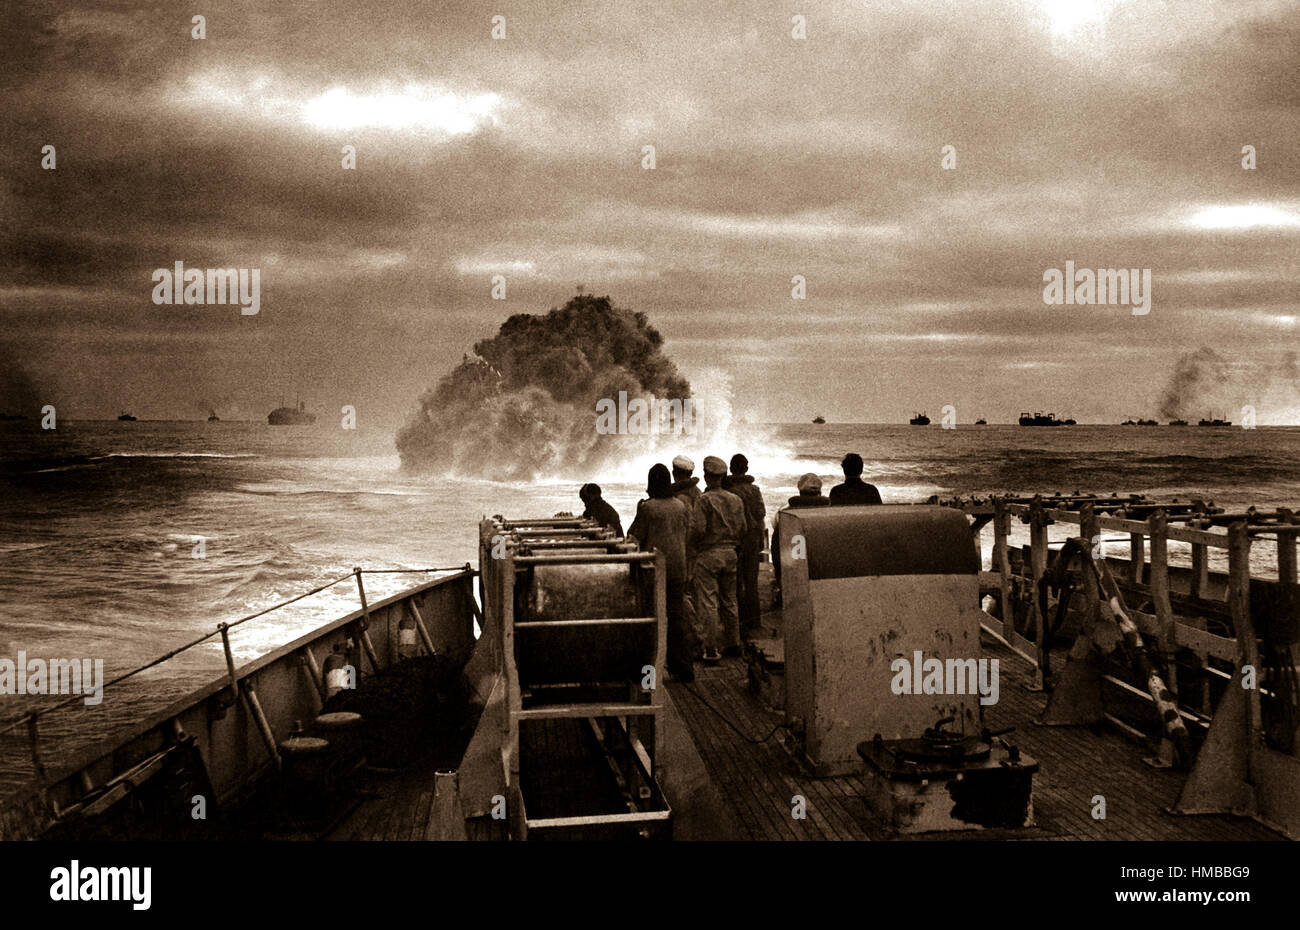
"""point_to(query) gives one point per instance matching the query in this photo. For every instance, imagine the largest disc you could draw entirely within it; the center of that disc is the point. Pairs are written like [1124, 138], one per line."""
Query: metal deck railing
[32, 718]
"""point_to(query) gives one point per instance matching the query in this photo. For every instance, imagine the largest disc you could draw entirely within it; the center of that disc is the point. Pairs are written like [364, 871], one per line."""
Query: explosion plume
[524, 404]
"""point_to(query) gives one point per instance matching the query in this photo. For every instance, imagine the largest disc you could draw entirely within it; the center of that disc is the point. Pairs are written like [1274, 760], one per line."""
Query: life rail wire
[32, 716]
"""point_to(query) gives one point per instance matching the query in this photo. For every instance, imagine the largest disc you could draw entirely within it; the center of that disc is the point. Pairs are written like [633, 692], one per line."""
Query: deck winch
[877, 598]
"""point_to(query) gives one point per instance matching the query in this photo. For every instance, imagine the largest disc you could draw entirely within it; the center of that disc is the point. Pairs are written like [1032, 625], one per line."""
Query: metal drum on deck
[552, 643]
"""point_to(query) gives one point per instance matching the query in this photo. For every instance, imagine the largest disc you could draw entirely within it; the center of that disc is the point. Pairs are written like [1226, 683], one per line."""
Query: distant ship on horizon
[920, 420]
[291, 416]
[1214, 422]
[126, 417]
[819, 420]
[1043, 419]
[212, 417]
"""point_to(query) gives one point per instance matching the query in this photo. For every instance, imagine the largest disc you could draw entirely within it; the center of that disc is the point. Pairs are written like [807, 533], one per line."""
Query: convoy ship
[919, 419]
[819, 420]
[291, 416]
[528, 699]
[1043, 419]
[212, 417]
[1214, 421]
[126, 417]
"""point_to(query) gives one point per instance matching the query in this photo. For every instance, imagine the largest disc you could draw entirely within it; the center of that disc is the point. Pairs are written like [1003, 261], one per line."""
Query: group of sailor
[712, 541]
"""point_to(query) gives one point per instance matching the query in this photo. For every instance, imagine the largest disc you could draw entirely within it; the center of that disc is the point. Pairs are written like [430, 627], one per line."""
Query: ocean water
[99, 523]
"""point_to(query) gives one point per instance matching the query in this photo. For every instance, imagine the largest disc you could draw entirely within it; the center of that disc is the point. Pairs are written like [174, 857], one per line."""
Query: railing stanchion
[1037, 568]
[419, 626]
[254, 707]
[1157, 524]
[1002, 564]
[1244, 630]
[230, 661]
[365, 624]
[314, 671]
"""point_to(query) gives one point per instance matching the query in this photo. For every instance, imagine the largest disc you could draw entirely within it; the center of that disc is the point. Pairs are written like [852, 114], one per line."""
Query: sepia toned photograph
[600, 422]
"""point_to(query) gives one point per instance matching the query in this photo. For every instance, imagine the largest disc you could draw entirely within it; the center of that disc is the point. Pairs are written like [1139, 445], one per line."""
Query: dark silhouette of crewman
[598, 509]
[741, 484]
[663, 523]
[854, 491]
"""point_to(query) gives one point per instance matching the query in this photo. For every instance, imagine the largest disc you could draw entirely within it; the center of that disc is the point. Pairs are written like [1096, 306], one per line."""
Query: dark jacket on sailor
[687, 491]
[743, 487]
[809, 500]
[718, 521]
[854, 492]
[663, 523]
[600, 511]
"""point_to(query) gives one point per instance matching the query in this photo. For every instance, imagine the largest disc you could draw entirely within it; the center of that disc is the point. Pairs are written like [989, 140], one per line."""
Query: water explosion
[524, 404]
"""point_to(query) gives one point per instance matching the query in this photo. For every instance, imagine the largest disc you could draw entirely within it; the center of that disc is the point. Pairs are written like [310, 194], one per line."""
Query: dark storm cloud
[1099, 142]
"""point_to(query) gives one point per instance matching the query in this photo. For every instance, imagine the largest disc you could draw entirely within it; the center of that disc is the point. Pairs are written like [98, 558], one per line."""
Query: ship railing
[1200, 527]
[1249, 758]
[31, 719]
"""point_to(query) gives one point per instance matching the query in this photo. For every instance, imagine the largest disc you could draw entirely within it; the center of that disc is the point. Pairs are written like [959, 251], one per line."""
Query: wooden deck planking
[1076, 763]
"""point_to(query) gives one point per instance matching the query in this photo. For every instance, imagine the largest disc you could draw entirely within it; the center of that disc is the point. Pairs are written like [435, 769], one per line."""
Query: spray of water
[524, 406]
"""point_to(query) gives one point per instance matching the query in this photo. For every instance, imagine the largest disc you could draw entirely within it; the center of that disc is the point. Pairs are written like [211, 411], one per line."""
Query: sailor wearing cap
[810, 493]
[718, 524]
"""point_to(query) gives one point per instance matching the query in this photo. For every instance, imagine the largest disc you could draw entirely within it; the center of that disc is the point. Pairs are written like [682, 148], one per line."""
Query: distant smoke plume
[1205, 384]
[524, 404]
[1196, 376]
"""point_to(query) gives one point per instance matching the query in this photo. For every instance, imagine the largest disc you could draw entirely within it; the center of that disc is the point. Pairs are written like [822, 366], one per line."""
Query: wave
[177, 455]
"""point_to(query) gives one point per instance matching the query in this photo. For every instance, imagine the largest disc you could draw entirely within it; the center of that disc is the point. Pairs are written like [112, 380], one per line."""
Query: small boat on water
[919, 419]
[819, 420]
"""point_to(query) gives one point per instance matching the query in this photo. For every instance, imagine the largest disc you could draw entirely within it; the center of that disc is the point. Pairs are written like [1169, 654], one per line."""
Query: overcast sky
[1107, 133]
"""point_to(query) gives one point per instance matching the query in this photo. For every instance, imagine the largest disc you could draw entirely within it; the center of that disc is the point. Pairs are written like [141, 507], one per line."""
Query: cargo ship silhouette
[291, 416]
[1043, 419]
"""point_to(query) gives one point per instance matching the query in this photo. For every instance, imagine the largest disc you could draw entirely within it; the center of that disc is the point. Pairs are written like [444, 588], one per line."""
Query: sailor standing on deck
[718, 524]
[598, 509]
[741, 484]
[686, 488]
[854, 491]
[810, 495]
[662, 523]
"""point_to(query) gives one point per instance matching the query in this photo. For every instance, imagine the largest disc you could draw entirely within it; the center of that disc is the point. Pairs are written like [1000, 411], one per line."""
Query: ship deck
[756, 775]
[758, 779]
